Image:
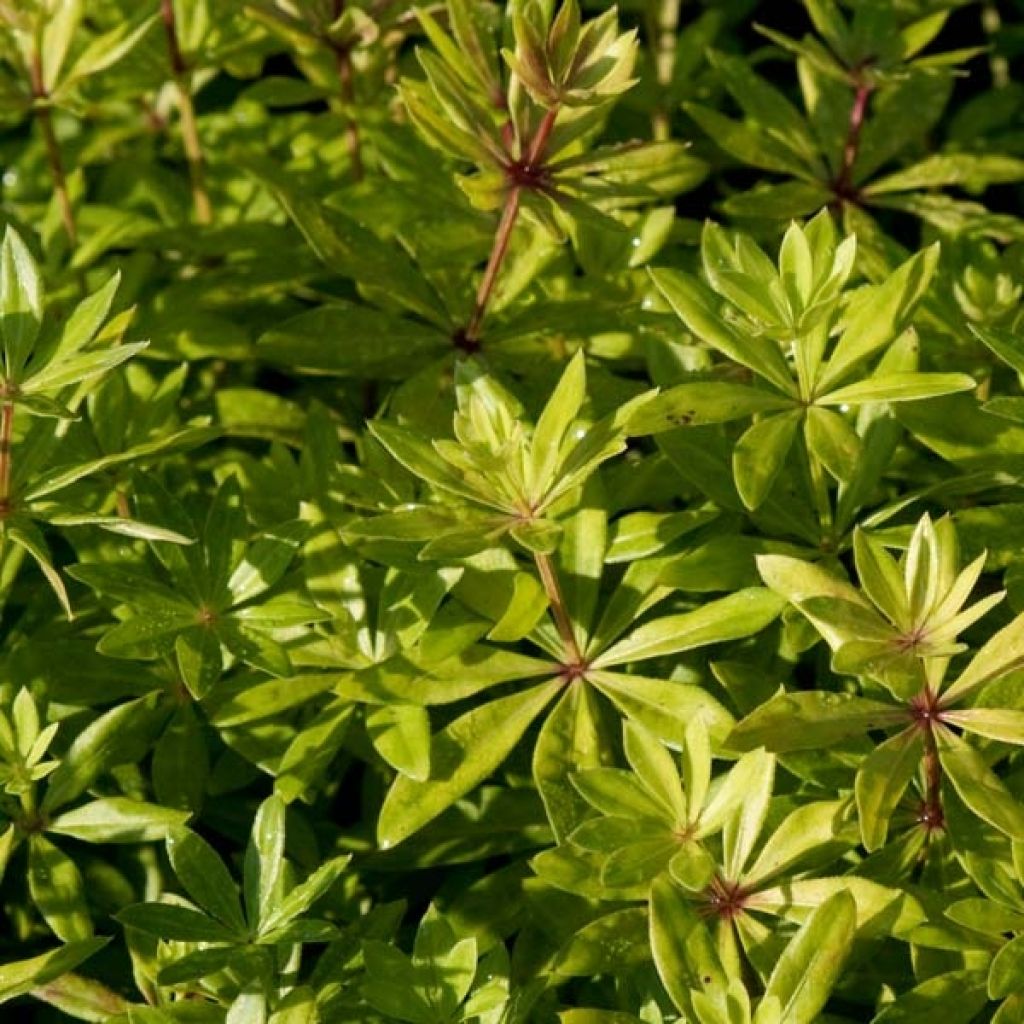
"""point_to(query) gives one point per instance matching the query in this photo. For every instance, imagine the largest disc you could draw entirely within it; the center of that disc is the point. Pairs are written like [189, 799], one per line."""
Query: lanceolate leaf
[729, 618]
[813, 960]
[684, 952]
[812, 720]
[462, 755]
[979, 787]
[881, 781]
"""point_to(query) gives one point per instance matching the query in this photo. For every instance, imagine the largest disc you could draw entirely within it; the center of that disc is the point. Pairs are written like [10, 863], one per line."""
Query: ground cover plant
[512, 513]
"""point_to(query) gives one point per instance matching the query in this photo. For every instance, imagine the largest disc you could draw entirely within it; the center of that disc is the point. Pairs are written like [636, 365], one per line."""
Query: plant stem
[343, 61]
[53, 153]
[822, 502]
[6, 440]
[187, 112]
[933, 815]
[509, 214]
[553, 589]
[664, 24]
[843, 185]
[503, 234]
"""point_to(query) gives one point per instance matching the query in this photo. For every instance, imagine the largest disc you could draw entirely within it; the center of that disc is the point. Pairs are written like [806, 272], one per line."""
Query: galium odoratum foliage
[48, 369]
[522, 115]
[538, 488]
[899, 633]
[502, 485]
[816, 350]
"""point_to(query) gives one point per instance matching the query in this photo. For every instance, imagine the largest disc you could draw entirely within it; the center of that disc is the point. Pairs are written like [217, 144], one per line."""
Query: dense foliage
[512, 514]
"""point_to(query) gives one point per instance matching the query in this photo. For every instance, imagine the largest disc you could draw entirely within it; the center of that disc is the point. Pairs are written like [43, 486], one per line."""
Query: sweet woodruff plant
[511, 513]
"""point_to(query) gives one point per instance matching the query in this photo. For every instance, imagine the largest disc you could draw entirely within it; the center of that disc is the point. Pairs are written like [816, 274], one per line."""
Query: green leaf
[348, 248]
[462, 755]
[205, 878]
[554, 422]
[266, 560]
[979, 787]
[62, 372]
[684, 953]
[58, 890]
[264, 865]
[999, 655]
[118, 819]
[698, 307]
[811, 964]
[570, 741]
[973, 170]
[832, 440]
[143, 635]
[27, 536]
[992, 723]
[769, 108]
[880, 910]
[172, 922]
[618, 793]
[881, 781]
[710, 401]
[811, 720]
[806, 831]
[800, 581]
[21, 302]
[761, 453]
[743, 825]
[400, 733]
[391, 984]
[654, 766]
[961, 994]
[304, 895]
[733, 617]
[350, 340]
[609, 945]
[1005, 344]
[899, 387]
[20, 976]
[421, 460]
[878, 315]
[1006, 974]
[95, 749]
[243, 701]
[663, 706]
[106, 50]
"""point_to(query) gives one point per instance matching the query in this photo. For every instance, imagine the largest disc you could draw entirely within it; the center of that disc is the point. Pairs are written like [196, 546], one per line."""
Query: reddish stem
[187, 111]
[343, 61]
[6, 440]
[559, 612]
[932, 815]
[502, 237]
[843, 185]
[927, 716]
[540, 140]
[526, 170]
[53, 154]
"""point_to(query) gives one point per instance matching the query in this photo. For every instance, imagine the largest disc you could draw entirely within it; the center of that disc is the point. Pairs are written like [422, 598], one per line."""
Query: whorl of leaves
[511, 513]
